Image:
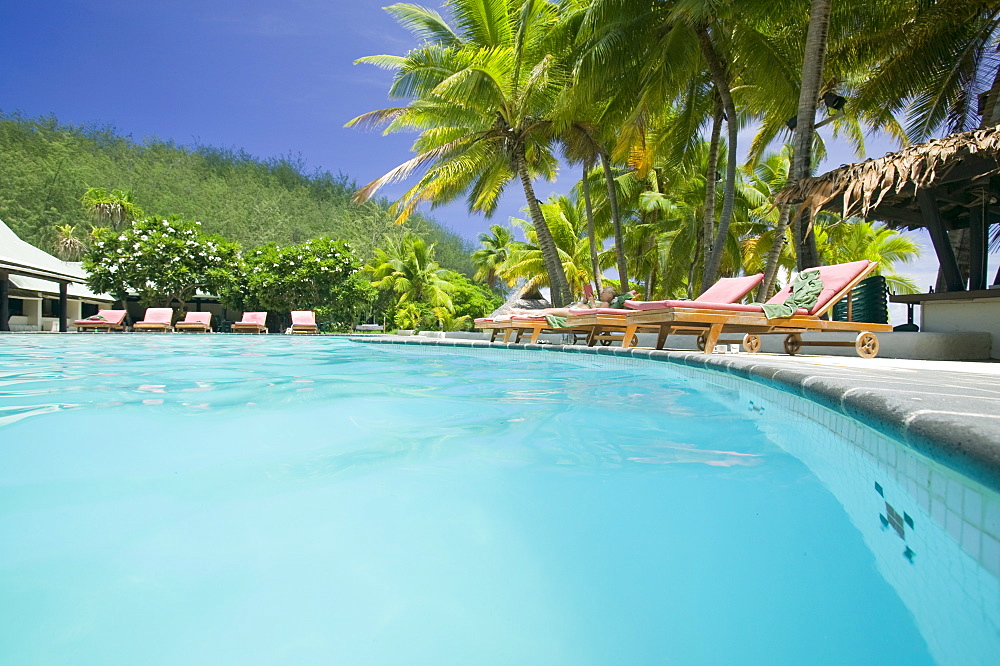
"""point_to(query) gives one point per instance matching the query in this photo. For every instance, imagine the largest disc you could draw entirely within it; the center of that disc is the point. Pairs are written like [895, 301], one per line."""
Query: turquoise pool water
[270, 500]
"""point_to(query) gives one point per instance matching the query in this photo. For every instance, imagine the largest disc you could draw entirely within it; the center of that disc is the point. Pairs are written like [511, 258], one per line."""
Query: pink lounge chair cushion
[726, 290]
[730, 290]
[197, 318]
[157, 316]
[303, 318]
[834, 279]
[704, 305]
[254, 318]
[593, 311]
[531, 318]
[104, 318]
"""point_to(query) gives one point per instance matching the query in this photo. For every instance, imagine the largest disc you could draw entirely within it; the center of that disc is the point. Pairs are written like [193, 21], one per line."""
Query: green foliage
[314, 274]
[159, 260]
[408, 268]
[44, 166]
[470, 301]
[449, 322]
[414, 316]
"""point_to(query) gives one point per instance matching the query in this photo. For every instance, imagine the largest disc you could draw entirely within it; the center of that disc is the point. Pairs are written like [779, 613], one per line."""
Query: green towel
[805, 292]
[618, 302]
[555, 322]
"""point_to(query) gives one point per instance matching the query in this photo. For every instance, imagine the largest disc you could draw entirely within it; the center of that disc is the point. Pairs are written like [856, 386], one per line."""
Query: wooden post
[942, 245]
[63, 306]
[978, 242]
[4, 302]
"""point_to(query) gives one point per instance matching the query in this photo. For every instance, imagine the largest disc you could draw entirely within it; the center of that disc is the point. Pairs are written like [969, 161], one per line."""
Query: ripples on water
[257, 500]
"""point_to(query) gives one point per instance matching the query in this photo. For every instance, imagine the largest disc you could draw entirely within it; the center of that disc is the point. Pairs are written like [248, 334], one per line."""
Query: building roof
[35, 270]
[959, 170]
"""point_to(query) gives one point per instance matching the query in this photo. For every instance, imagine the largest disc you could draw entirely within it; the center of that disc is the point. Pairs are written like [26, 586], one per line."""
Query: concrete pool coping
[948, 410]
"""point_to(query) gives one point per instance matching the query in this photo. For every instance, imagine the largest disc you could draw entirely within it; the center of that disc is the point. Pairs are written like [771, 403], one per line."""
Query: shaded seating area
[195, 322]
[155, 320]
[951, 188]
[712, 322]
[104, 320]
[252, 322]
[304, 322]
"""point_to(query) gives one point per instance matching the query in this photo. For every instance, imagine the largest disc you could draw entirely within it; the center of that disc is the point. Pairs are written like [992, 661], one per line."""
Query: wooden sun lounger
[104, 320]
[304, 322]
[155, 319]
[710, 324]
[195, 322]
[609, 325]
[252, 322]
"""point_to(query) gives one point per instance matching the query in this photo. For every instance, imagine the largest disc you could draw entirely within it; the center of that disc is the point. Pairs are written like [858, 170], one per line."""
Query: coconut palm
[408, 268]
[496, 249]
[853, 240]
[479, 95]
[567, 221]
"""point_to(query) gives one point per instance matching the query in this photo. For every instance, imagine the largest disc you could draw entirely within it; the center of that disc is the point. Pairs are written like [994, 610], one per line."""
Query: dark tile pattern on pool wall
[953, 418]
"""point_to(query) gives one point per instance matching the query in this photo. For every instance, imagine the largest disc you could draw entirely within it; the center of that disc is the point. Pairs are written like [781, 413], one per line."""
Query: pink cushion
[730, 290]
[197, 318]
[157, 316]
[528, 318]
[703, 305]
[726, 290]
[253, 318]
[834, 279]
[593, 311]
[303, 317]
[112, 317]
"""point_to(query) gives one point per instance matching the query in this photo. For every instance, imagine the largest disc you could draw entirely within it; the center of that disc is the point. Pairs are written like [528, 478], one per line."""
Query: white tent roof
[16, 254]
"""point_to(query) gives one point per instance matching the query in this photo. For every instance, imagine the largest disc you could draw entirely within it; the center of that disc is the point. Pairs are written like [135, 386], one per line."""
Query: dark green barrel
[869, 302]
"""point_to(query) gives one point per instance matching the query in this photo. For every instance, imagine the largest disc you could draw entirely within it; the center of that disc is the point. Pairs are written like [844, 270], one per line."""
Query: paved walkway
[947, 409]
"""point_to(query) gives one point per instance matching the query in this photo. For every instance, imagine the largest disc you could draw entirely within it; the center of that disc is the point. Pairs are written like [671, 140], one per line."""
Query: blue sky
[273, 78]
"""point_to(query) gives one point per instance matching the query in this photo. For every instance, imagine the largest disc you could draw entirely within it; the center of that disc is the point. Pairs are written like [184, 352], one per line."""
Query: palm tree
[568, 224]
[68, 246]
[496, 249]
[408, 269]
[853, 240]
[114, 209]
[480, 96]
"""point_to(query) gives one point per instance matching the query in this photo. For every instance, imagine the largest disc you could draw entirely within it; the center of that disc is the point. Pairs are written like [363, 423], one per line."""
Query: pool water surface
[169, 499]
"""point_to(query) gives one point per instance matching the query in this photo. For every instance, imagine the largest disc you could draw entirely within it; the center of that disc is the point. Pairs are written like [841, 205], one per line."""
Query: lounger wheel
[866, 344]
[751, 343]
[605, 343]
[635, 340]
[793, 343]
[702, 341]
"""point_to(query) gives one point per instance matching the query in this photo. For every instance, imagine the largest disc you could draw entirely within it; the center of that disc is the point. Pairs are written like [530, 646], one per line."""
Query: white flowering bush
[320, 274]
[159, 260]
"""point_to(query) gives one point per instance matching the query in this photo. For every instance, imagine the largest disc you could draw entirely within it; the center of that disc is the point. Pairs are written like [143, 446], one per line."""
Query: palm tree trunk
[812, 76]
[721, 80]
[557, 277]
[616, 221]
[771, 267]
[591, 234]
[711, 183]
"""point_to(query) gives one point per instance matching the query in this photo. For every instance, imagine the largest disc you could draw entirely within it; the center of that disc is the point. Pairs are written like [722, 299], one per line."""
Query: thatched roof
[527, 297]
[960, 169]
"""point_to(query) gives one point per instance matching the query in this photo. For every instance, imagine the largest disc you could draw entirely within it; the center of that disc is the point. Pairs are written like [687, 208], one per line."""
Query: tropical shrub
[159, 260]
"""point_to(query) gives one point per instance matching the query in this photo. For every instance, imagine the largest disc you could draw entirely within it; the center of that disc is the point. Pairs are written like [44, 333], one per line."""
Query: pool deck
[949, 410]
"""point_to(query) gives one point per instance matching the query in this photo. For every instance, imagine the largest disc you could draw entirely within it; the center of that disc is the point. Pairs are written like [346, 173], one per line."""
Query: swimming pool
[261, 500]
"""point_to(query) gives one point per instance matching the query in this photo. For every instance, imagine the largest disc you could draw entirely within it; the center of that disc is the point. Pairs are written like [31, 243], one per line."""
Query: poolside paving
[947, 409]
